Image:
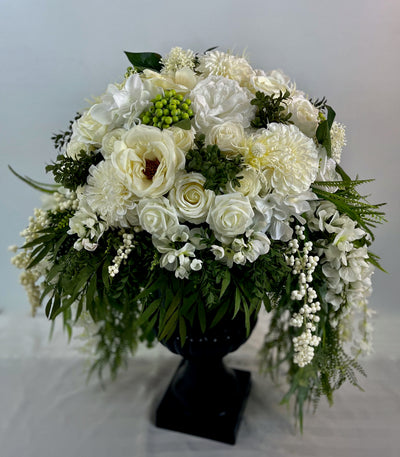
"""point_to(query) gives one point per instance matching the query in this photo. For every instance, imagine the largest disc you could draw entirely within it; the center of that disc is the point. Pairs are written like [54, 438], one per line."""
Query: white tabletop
[48, 410]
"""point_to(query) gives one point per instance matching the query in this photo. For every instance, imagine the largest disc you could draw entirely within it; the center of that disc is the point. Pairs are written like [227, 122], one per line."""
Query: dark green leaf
[144, 60]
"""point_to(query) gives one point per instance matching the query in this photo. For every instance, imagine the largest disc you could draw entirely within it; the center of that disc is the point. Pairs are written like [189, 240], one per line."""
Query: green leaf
[331, 116]
[237, 302]
[42, 187]
[144, 60]
[39, 256]
[182, 330]
[225, 282]
[201, 312]
[151, 309]
[184, 124]
[223, 309]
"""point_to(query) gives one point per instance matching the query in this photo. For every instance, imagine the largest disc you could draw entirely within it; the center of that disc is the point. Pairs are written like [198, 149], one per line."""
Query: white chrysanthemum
[217, 100]
[178, 58]
[108, 196]
[287, 158]
[338, 140]
[224, 64]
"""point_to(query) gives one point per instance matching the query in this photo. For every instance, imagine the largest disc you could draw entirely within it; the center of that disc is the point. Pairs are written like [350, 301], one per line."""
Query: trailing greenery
[215, 166]
[270, 108]
[72, 173]
[61, 139]
[349, 201]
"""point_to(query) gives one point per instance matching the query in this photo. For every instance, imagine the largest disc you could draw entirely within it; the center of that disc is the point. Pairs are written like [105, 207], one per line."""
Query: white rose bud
[184, 139]
[109, 139]
[157, 216]
[88, 130]
[229, 216]
[229, 137]
[189, 197]
[250, 183]
[304, 115]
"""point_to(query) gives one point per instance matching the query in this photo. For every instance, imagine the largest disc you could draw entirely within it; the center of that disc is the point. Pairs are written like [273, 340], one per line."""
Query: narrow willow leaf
[220, 313]
[40, 256]
[182, 330]
[42, 187]
[151, 309]
[225, 282]
[201, 312]
[237, 302]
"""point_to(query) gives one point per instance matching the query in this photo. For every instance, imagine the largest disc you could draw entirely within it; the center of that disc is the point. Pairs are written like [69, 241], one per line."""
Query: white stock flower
[87, 226]
[157, 216]
[216, 100]
[189, 197]
[108, 196]
[229, 216]
[229, 137]
[338, 140]
[287, 158]
[224, 64]
[121, 106]
[304, 114]
[147, 159]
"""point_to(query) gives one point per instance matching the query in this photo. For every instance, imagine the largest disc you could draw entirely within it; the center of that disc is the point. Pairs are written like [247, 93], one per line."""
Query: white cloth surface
[47, 409]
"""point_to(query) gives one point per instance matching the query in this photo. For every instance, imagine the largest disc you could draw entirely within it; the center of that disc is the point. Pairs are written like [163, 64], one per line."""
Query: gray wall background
[55, 54]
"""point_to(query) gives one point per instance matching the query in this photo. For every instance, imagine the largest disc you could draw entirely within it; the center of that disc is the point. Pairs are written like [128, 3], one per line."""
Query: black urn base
[214, 412]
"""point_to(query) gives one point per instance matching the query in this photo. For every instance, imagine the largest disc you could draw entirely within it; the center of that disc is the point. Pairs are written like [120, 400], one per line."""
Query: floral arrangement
[200, 188]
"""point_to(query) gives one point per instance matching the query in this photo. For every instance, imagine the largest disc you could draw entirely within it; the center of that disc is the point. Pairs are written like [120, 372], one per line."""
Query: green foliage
[61, 139]
[216, 167]
[270, 108]
[144, 60]
[42, 187]
[348, 201]
[72, 173]
[324, 129]
[320, 104]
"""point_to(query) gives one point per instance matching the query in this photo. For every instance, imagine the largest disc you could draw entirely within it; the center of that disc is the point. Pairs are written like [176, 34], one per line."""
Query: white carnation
[216, 100]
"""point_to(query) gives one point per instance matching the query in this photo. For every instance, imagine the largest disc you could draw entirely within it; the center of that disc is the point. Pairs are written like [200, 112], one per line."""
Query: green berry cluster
[167, 110]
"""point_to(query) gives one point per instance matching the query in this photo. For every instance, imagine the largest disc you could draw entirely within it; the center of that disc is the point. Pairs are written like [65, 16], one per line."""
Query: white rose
[216, 100]
[190, 199]
[184, 139]
[157, 216]
[304, 115]
[250, 184]
[74, 148]
[229, 136]
[109, 139]
[182, 80]
[147, 158]
[229, 216]
[272, 83]
[87, 130]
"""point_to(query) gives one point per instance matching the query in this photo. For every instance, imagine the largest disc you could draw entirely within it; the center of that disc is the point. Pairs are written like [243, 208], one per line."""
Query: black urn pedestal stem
[205, 398]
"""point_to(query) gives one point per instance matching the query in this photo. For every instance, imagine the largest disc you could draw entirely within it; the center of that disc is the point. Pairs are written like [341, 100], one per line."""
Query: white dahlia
[224, 64]
[109, 197]
[287, 158]
[216, 100]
